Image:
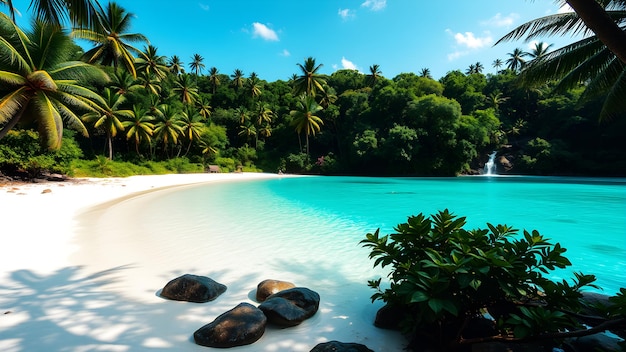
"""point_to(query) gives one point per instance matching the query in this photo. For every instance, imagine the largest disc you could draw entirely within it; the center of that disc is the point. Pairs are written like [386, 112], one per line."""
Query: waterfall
[490, 166]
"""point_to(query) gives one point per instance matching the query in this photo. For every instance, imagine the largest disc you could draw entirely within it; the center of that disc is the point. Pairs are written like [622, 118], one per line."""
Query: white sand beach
[63, 290]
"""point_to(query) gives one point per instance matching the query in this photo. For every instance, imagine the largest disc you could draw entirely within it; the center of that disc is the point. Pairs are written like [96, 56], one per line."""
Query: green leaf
[418, 296]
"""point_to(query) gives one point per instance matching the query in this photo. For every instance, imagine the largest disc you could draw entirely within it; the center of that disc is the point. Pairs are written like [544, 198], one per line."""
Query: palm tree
[263, 113]
[109, 117]
[150, 84]
[175, 65]
[238, 79]
[110, 39]
[425, 72]
[516, 60]
[214, 78]
[168, 127]
[471, 69]
[247, 130]
[587, 61]
[242, 113]
[204, 107]
[81, 13]
[539, 50]
[253, 84]
[327, 96]
[186, 88]
[310, 81]
[495, 99]
[139, 127]
[197, 64]
[151, 63]
[305, 118]
[123, 83]
[497, 63]
[192, 126]
[478, 67]
[41, 86]
[374, 75]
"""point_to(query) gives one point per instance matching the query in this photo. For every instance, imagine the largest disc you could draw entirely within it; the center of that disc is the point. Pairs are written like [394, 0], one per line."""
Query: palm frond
[79, 71]
[49, 122]
[72, 120]
[558, 24]
[12, 79]
[12, 103]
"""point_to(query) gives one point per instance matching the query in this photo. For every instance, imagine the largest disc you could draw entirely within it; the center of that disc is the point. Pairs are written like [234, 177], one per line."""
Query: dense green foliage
[344, 123]
[444, 277]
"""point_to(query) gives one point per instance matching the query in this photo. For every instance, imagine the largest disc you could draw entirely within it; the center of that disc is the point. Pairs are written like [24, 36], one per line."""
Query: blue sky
[270, 37]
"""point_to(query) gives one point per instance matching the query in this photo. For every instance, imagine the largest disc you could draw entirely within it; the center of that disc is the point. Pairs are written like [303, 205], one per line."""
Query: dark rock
[597, 342]
[389, 317]
[336, 346]
[268, 287]
[193, 288]
[291, 307]
[239, 326]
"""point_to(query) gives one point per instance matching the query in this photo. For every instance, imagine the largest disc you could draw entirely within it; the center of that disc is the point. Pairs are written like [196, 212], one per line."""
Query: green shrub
[226, 164]
[297, 163]
[443, 276]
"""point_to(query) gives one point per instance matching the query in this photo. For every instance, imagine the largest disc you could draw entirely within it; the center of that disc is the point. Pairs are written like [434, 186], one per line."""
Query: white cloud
[347, 64]
[375, 5]
[261, 30]
[346, 14]
[457, 54]
[204, 7]
[285, 52]
[501, 21]
[469, 40]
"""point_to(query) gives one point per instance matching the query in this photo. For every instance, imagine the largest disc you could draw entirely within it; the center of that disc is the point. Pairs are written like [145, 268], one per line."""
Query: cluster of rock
[281, 303]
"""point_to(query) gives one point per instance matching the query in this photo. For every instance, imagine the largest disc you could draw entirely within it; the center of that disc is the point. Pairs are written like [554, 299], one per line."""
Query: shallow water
[324, 218]
[307, 230]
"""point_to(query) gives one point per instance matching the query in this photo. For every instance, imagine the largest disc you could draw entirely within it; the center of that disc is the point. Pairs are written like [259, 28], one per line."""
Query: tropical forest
[118, 107]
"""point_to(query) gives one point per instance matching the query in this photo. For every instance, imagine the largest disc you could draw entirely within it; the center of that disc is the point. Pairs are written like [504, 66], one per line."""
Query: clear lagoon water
[311, 224]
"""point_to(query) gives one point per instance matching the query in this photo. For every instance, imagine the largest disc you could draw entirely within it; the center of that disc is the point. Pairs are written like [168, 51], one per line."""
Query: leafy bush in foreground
[444, 278]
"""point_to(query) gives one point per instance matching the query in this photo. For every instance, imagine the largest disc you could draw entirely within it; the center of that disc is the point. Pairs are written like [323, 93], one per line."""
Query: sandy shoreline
[55, 295]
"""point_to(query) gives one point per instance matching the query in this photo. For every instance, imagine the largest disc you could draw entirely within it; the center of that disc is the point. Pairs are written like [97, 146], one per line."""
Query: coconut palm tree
[497, 63]
[168, 127]
[214, 78]
[151, 63]
[204, 107]
[192, 126]
[81, 13]
[305, 118]
[111, 39]
[309, 81]
[41, 86]
[247, 130]
[242, 114]
[186, 88]
[253, 84]
[109, 117]
[587, 61]
[150, 83]
[425, 72]
[262, 113]
[139, 127]
[516, 60]
[374, 75]
[197, 64]
[237, 79]
[175, 65]
[539, 50]
[123, 83]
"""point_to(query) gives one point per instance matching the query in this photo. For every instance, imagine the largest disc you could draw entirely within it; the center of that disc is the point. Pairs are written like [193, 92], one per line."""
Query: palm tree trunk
[307, 144]
[602, 25]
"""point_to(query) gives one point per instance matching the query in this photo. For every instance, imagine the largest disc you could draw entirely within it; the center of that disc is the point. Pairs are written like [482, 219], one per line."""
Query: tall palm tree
[197, 64]
[204, 107]
[186, 88]
[374, 75]
[309, 81]
[587, 61]
[253, 84]
[111, 39]
[81, 13]
[242, 114]
[109, 117]
[247, 130]
[478, 67]
[305, 118]
[497, 63]
[425, 72]
[237, 79]
[516, 60]
[192, 126]
[123, 83]
[214, 78]
[150, 83]
[41, 85]
[151, 63]
[262, 113]
[539, 50]
[471, 69]
[139, 127]
[168, 127]
[175, 65]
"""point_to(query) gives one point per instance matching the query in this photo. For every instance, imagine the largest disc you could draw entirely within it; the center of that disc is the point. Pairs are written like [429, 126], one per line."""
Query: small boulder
[336, 346]
[389, 317]
[291, 307]
[193, 288]
[240, 326]
[268, 287]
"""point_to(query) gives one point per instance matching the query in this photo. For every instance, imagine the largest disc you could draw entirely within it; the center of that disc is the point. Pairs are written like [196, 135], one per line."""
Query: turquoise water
[324, 218]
